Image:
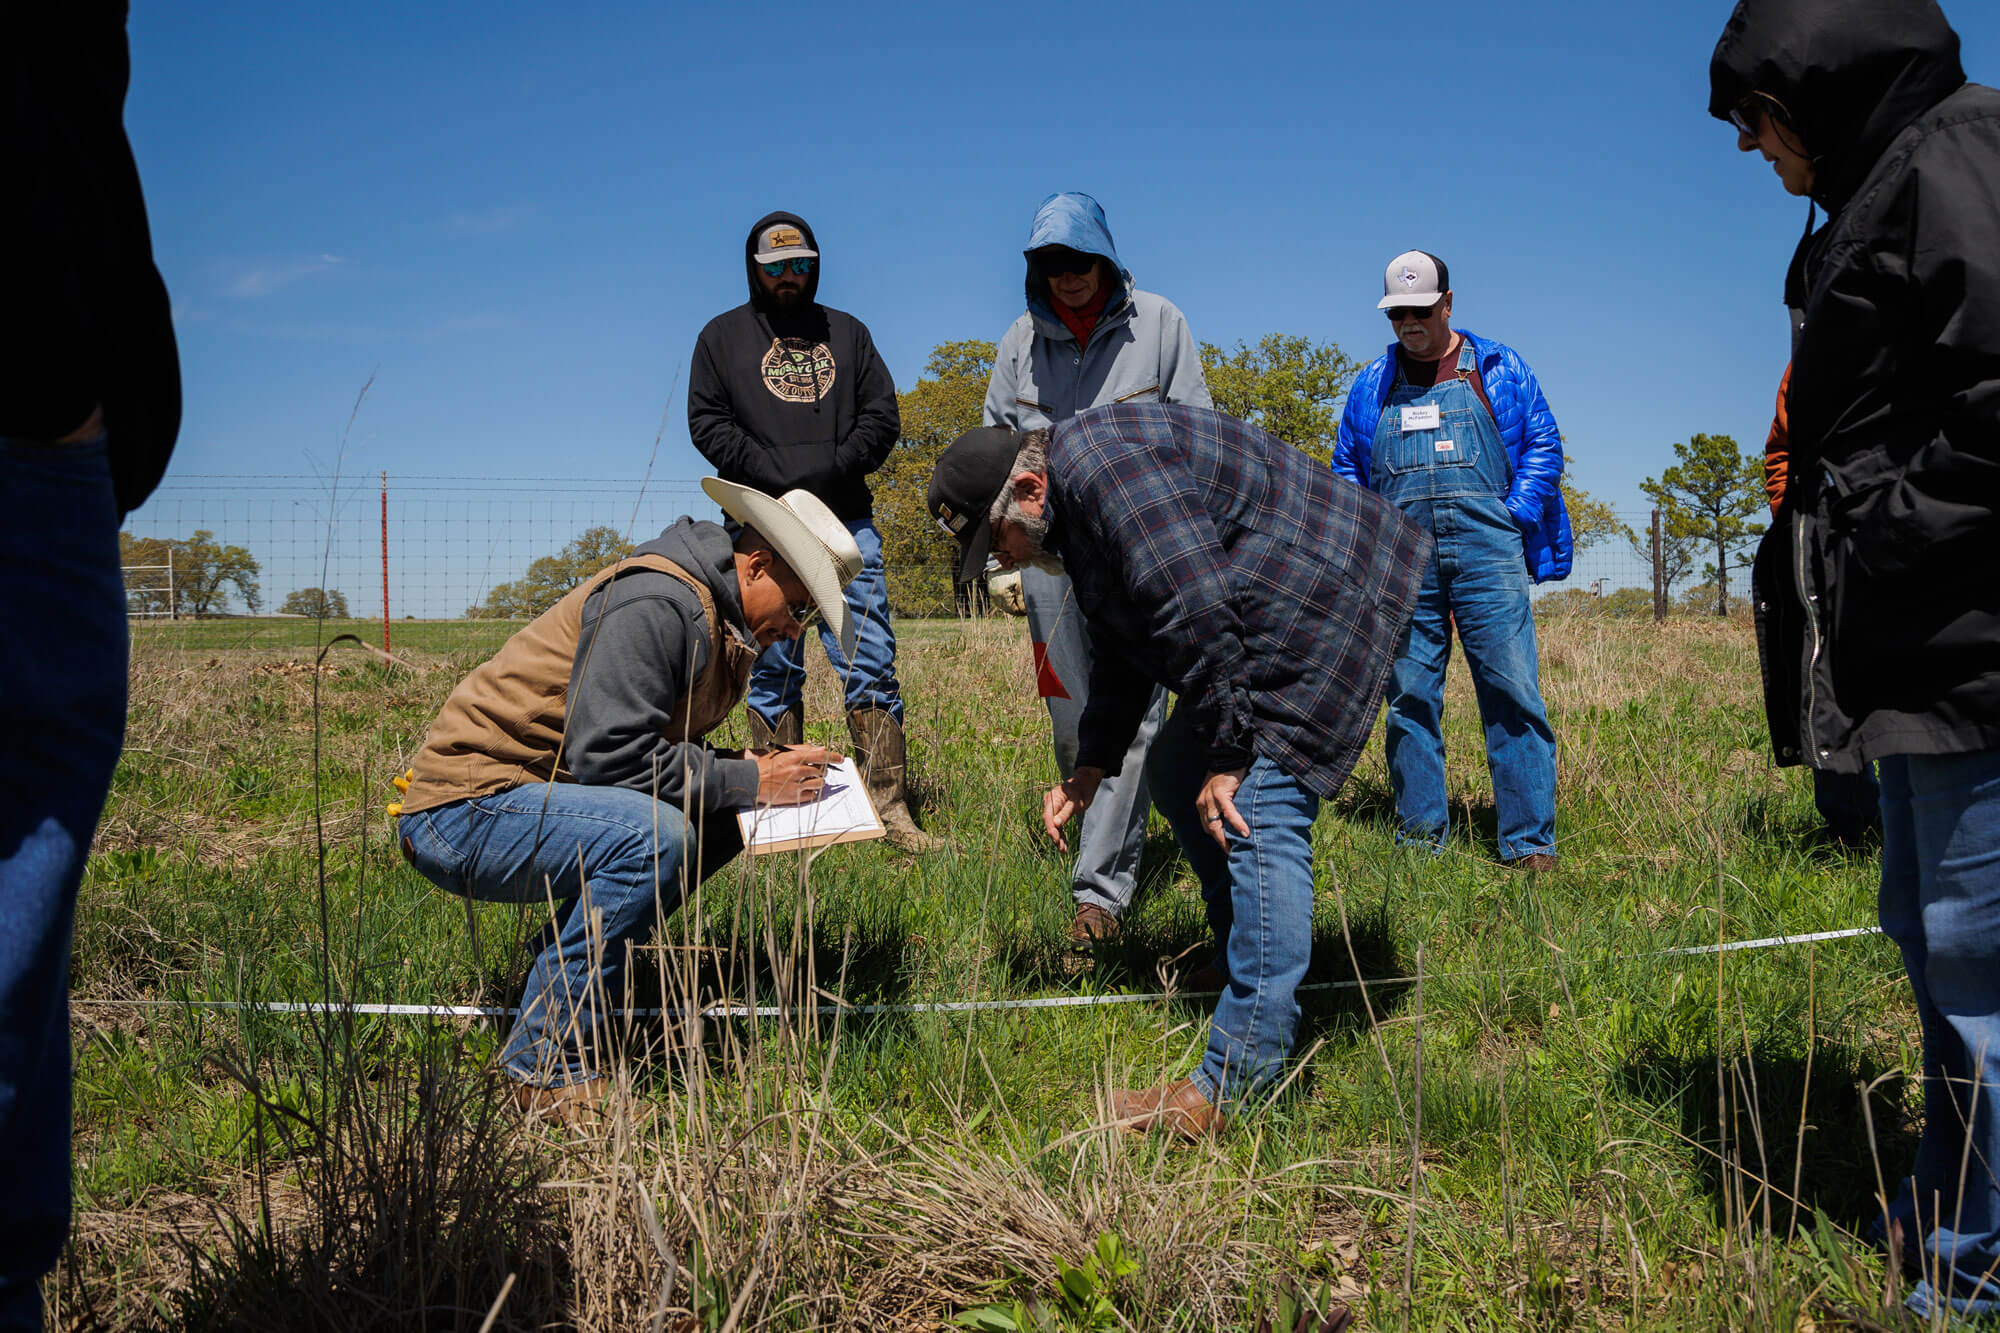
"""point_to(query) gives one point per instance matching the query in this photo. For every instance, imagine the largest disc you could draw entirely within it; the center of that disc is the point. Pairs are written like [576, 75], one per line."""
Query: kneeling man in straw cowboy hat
[571, 766]
[1217, 561]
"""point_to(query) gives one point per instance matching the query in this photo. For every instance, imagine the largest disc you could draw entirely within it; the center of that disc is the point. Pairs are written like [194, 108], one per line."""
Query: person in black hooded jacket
[1878, 609]
[90, 402]
[785, 394]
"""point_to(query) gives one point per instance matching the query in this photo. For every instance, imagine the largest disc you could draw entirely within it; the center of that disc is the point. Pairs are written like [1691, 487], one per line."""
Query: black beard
[787, 296]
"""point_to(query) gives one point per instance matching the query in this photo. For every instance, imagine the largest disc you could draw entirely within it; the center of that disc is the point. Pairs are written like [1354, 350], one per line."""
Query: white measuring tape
[939, 1007]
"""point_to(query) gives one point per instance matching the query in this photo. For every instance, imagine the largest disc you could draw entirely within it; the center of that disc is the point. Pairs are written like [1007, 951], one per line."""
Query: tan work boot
[573, 1105]
[1178, 1109]
[791, 729]
[1092, 925]
[883, 757]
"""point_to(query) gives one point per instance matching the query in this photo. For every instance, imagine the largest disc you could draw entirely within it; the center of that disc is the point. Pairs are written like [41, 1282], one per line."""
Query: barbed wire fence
[433, 548]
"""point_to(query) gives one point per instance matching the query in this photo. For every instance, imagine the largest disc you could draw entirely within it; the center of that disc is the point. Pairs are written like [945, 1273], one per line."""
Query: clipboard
[843, 813]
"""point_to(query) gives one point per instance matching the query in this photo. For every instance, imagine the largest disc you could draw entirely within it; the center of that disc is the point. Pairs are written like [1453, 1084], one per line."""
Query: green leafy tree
[203, 571]
[313, 602]
[1287, 384]
[1706, 501]
[551, 576]
[1591, 520]
[1678, 555]
[148, 583]
[946, 401]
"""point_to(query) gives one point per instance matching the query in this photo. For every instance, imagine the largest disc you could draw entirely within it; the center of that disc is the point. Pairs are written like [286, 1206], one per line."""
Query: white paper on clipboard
[843, 813]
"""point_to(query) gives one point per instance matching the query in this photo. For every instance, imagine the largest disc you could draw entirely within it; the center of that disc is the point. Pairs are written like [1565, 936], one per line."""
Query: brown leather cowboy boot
[791, 729]
[1178, 1109]
[573, 1105]
[883, 757]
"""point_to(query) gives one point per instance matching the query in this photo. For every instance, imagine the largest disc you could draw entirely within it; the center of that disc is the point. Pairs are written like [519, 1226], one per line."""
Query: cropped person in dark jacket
[90, 402]
[1878, 609]
[1849, 804]
[787, 393]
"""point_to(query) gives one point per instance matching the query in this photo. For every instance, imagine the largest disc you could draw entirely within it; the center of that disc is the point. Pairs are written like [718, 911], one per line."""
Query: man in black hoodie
[786, 393]
[1878, 610]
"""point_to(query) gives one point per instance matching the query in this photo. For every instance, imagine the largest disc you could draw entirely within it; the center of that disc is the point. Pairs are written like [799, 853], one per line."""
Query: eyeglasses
[1061, 263]
[804, 615]
[1748, 114]
[800, 266]
[1397, 314]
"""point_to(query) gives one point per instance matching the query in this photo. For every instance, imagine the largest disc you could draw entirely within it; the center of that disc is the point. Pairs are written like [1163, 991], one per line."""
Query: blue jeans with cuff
[615, 861]
[1940, 903]
[778, 682]
[1259, 896]
[65, 676]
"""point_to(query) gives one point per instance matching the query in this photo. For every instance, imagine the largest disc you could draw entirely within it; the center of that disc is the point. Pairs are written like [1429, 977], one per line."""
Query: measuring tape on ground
[727, 1010]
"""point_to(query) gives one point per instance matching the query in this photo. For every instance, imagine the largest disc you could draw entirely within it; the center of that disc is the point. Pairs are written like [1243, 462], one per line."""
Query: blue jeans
[1478, 581]
[1112, 835]
[616, 862]
[1940, 903]
[64, 674]
[1259, 896]
[778, 682]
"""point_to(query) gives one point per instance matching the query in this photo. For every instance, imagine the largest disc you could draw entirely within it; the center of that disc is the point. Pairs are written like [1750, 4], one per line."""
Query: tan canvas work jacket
[502, 727]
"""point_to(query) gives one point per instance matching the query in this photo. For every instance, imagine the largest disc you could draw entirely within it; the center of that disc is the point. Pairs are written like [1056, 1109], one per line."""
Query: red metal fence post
[385, 562]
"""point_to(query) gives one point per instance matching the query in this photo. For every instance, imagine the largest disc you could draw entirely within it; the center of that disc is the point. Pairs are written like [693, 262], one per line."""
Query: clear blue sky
[518, 216]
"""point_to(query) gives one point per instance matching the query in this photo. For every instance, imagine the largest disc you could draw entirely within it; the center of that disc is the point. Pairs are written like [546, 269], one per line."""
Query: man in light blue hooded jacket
[1089, 337]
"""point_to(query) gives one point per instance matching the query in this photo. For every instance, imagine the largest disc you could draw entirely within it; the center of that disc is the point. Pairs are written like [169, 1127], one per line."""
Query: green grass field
[1529, 1115]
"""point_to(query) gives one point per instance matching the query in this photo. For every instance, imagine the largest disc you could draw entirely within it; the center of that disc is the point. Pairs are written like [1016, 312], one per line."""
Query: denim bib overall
[1452, 479]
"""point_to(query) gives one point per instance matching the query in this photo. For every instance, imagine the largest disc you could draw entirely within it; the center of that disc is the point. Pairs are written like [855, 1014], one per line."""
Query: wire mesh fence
[452, 549]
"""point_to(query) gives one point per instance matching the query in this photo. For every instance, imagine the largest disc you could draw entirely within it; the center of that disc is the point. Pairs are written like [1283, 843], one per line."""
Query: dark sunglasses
[1398, 313]
[1746, 114]
[800, 266]
[1060, 263]
[805, 615]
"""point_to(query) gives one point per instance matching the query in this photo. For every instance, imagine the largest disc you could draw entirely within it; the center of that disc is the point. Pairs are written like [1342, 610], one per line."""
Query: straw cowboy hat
[818, 546]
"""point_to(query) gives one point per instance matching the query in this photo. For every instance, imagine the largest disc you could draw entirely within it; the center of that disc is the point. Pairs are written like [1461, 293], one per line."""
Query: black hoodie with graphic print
[1878, 610]
[783, 399]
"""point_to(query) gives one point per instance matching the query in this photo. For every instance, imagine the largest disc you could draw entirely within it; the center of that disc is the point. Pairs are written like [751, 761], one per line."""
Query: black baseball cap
[970, 474]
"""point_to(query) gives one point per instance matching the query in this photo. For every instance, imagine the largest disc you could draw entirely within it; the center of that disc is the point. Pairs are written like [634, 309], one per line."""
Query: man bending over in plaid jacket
[1269, 596]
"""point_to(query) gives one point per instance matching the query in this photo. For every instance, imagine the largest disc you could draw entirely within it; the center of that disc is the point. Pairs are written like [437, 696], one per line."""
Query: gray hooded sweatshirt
[643, 644]
[1139, 352]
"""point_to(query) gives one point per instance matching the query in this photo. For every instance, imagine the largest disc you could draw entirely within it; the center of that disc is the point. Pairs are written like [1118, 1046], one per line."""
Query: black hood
[707, 552]
[757, 297]
[1851, 73]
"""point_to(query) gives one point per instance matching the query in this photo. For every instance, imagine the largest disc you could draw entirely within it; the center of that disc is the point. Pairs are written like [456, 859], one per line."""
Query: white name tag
[1444, 446]
[1422, 416]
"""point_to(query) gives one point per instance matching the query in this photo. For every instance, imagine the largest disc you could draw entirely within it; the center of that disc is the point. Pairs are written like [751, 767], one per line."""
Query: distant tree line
[187, 576]
[329, 604]
[551, 576]
[1286, 384]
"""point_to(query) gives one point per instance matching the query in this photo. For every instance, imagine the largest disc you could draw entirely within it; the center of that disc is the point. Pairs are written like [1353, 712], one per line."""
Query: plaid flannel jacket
[1220, 562]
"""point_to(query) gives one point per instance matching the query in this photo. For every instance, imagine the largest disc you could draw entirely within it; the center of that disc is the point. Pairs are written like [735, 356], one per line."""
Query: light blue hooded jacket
[1140, 351]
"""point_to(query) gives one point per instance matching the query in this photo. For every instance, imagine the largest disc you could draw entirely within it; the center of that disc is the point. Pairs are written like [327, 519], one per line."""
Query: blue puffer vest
[1534, 446]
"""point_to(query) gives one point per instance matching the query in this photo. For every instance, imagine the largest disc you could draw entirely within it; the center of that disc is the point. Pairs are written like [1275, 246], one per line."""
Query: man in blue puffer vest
[1455, 431]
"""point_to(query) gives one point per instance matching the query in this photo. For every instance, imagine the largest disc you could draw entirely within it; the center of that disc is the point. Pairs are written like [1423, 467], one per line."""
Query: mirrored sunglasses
[801, 266]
